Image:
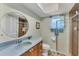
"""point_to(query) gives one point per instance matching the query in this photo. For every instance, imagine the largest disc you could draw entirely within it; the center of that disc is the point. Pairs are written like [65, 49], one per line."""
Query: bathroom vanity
[31, 47]
[34, 51]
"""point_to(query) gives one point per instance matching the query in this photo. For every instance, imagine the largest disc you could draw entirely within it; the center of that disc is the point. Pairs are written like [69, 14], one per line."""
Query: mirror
[14, 24]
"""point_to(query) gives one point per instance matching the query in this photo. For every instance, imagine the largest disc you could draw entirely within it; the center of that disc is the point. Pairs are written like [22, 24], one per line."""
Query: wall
[63, 39]
[46, 33]
[32, 23]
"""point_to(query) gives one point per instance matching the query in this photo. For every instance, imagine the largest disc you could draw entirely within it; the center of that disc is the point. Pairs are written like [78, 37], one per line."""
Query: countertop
[14, 50]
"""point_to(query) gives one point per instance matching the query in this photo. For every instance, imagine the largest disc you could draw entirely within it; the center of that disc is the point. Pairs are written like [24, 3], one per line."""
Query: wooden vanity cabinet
[34, 51]
[40, 49]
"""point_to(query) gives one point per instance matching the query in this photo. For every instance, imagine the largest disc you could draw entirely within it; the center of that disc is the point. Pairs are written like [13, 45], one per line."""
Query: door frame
[71, 40]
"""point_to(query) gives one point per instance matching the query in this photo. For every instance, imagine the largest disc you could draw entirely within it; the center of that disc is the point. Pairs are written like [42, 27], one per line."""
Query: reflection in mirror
[14, 24]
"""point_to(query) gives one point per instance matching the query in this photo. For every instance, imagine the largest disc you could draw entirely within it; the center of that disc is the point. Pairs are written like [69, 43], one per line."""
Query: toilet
[46, 48]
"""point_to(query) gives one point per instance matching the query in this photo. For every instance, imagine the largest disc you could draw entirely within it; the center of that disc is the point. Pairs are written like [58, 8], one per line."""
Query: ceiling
[44, 9]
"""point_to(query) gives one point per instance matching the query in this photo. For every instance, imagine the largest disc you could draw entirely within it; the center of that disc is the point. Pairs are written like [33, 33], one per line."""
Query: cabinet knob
[31, 50]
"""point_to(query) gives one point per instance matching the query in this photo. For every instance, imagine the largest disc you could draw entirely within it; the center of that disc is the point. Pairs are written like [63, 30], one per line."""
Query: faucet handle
[19, 41]
[29, 37]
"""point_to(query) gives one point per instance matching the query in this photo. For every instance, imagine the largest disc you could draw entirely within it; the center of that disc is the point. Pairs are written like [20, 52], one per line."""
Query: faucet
[19, 41]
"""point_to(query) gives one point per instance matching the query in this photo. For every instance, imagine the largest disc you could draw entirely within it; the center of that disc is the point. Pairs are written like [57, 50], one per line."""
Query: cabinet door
[74, 37]
[40, 49]
[34, 51]
[26, 53]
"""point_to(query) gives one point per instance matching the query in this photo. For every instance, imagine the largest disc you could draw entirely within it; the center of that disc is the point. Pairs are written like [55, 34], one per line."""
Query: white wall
[63, 39]
[32, 23]
[46, 33]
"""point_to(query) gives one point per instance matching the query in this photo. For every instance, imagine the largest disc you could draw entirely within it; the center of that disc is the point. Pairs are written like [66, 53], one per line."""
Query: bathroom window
[57, 24]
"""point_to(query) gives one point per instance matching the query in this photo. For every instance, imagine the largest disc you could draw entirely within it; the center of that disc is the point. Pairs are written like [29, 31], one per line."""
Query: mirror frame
[16, 13]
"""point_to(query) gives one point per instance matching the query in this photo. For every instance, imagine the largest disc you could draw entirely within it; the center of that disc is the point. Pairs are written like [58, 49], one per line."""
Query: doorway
[75, 34]
[22, 27]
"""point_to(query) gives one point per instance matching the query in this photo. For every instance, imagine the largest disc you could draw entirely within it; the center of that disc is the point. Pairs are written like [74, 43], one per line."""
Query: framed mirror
[14, 24]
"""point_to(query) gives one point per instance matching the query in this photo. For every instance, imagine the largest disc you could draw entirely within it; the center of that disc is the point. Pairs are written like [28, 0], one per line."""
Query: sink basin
[24, 44]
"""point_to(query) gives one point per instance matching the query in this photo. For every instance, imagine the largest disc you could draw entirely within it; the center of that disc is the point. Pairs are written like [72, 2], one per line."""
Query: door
[78, 35]
[74, 36]
[22, 24]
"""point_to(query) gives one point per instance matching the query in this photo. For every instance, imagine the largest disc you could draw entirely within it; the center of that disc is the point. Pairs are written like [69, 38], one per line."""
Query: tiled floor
[55, 53]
